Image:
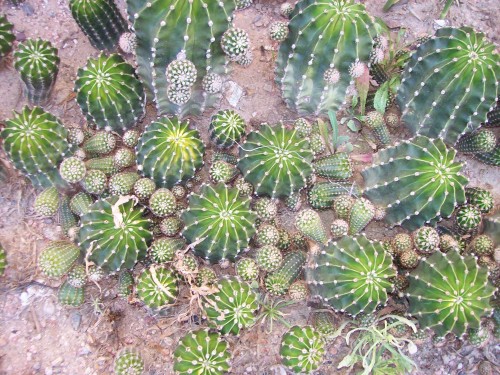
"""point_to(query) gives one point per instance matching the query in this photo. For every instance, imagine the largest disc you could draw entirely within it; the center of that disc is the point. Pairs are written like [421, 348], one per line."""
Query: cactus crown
[226, 128]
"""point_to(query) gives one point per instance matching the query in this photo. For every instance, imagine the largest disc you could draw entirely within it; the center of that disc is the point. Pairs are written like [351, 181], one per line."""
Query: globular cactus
[294, 201]
[426, 240]
[162, 203]
[408, 259]
[125, 283]
[352, 275]
[482, 199]
[302, 349]
[163, 249]
[492, 228]
[169, 152]
[303, 127]
[128, 43]
[95, 182]
[342, 205]
[58, 258]
[72, 170]
[276, 161]
[202, 352]
[218, 222]
[226, 128]
[80, 203]
[242, 4]
[278, 282]
[335, 167]
[402, 242]
[449, 293]
[77, 276]
[100, 143]
[343, 32]
[157, 287]
[65, 217]
[324, 323]
[124, 158]
[47, 202]
[220, 171]
[267, 235]
[179, 191]
[309, 223]
[490, 158]
[105, 164]
[247, 269]
[100, 20]
[361, 213]
[265, 208]
[278, 31]
[448, 242]
[226, 157]
[298, 291]
[418, 182]
[317, 144]
[376, 123]
[130, 138]
[168, 31]
[482, 245]
[467, 219]
[109, 94]
[170, 226]
[339, 228]
[7, 37]
[206, 276]
[122, 183]
[35, 141]
[232, 308]
[115, 233]
[454, 75]
[286, 9]
[483, 140]
[128, 361]
[269, 258]
[68, 295]
[235, 43]
[144, 188]
[37, 62]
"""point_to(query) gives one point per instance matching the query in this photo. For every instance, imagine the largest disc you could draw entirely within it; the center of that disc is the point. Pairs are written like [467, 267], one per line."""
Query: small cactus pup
[37, 63]
[100, 20]
[308, 222]
[361, 213]
[298, 291]
[449, 293]
[265, 208]
[417, 181]
[278, 31]
[490, 158]
[95, 182]
[157, 287]
[220, 171]
[467, 219]
[144, 188]
[232, 308]
[226, 128]
[269, 258]
[457, 58]
[128, 43]
[114, 233]
[247, 269]
[242, 4]
[278, 282]
[101, 143]
[334, 167]
[339, 228]
[47, 202]
[7, 37]
[3, 260]
[482, 199]
[202, 352]
[72, 170]
[128, 361]
[218, 223]
[70, 296]
[482, 245]
[323, 195]
[302, 349]
[109, 94]
[312, 81]
[323, 321]
[426, 240]
[376, 123]
[162, 203]
[483, 140]
[35, 141]
[286, 10]
[235, 43]
[276, 161]
[80, 203]
[267, 234]
[493, 117]
[122, 183]
[125, 284]
[163, 249]
[58, 258]
[169, 152]
[352, 275]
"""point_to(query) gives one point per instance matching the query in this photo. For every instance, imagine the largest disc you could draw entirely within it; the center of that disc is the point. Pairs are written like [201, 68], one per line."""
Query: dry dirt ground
[37, 336]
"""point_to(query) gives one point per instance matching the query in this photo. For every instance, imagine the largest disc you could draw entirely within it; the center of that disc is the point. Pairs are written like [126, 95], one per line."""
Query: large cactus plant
[7, 37]
[417, 180]
[173, 30]
[449, 84]
[327, 39]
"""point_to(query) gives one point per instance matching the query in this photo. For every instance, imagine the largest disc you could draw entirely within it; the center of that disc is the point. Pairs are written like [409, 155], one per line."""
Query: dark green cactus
[302, 349]
[157, 287]
[65, 217]
[418, 181]
[481, 141]
[467, 218]
[376, 123]
[352, 275]
[426, 240]
[163, 249]
[6, 36]
[220, 171]
[490, 158]
[125, 283]
[68, 295]
[492, 227]
[493, 118]
[335, 167]
[169, 152]
[226, 128]
[324, 323]
[100, 20]
[325, 41]
[128, 361]
[278, 282]
[454, 76]
[480, 198]
[109, 94]
[37, 63]
[58, 258]
[80, 203]
[278, 31]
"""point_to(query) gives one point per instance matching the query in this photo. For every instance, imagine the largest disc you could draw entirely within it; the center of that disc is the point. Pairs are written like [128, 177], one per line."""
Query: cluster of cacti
[227, 128]
[157, 287]
[323, 194]
[6, 36]
[128, 361]
[278, 282]
[302, 349]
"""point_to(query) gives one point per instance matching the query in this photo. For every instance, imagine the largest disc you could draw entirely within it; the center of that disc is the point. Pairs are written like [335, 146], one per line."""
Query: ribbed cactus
[302, 349]
[467, 219]
[35, 142]
[122, 183]
[202, 352]
[278, 31]
[68, 295]
[449, 84]
[101, 143]
[220, 171]
[100, 20]
[157, 287]
[115, 233]
[269, 258]
[493, 117]
[361, 213]
[483, 140]
[278, 282]
[276, 161]
[3, 260]
[163, 249]
[58, 258]
[171, 30]
[309, 223]
[128, 361]
[109, 94]
[490, 158]
[418, 181]
[227, 128]
[352, 275]
[47, 202]
[72, 170]
[232, 308]
[125, 283]
[247, 269]
[336, 167]
[376, 123]
[80, 203]
[492, 228]
[267, 235]
[323, 194]
[449, 293]
[426, 240]
[482, 199]
[95, 182]
[6, 36]
[37, 63]
[325, 40]
[169, 152]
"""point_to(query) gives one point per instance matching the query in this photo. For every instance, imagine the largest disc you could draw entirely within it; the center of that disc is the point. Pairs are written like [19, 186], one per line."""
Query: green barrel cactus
[72, 170]
[482, 199]
[109, 94]
[47, 202]
[171, 30]
[426, 240]
[163, 249]
[65, 217]
[37, 62]
[323, 194]
[202, 352]
[361, 213]
[125, 283]
[490, 158]
[77, 276]
[169, 152]
[157, 287]
[467, 219]
[227, 128]
[276, 161]
[325, 41]
[218, 222]
[220, 171]
[483, 140]
[101, 143]
[122, 183]
[352, 275]
[232, 308]
[162, 203]
[417, 180]
[492, 227]
[100, 20]
[269, 258]
[302, 349]
[128, 361]
[247, 269]
[278, 282]
[70, 296]
[58, 258]
[95, 182]
[115, 233]
[7, 37]
[449, 293]
[235, 43]
[449, 84]
[35, 141]
[335, 167]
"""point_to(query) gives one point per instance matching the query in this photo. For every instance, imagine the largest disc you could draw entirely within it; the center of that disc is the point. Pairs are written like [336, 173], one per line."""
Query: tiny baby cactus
[77, 276]
[402, 242]
[6, 37]
[422, 168]
[144, 188]
[490, 158]
[467, 218]
[310, 225]
[482, 245]
[163, 249]
[95, 182]
[122, 183]
[480, 198]
[294, 201]
[80, 203]
[58, 258]
[3, 260]
[447, 243]
[128, 361]
[47, 202]
[206, 276]
[342, 205]
[105, 164]
[493, 117]
[109, 94]
[70, 296]
[181, 74]
[100, 20]
[226, 128]
[202, 352]
[235, 43]
[131, 138]
[303, 127]
[128, 43]
[376, 123]
[157, 287]
[286, 10]
[72, 170]
[212, 83]
[269, 258]
[162, 203]
[339, 228]
[278, 31]
[232, 308]
[302, 349]
[265, 208]
[125, 283]
[426, 240]
[124, 158]
[220, 171]
[170, 226]
[37, 63]
[324, 323]
[266, 235]
[361, 213]
[100, 143]
[335, 167]
[483, 140]
[317, 144]
[298, 291]
[242, 4]
[247, 269]
[408, 259]
[278, 282]
[65, 217]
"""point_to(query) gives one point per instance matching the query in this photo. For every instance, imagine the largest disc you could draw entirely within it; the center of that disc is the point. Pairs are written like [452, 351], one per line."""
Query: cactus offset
[247, 269]
[361, 213]
[100, 143]
[269, 258]
[68, 295]
[490, 158]
[278, 282]
[157, 287]
[128, 361]
[72, 170]
[95, 182]
[3, 260]
[144, 188]
[480, 141]
[125, 283]
[335, 167]
[302, 349]
[480, 198]
[426, 240]
[467, 219]
[278, 31]
[163, 249]
[47, 202]
[122, 183]
[226, 128]
[309, 223]
[58, 258]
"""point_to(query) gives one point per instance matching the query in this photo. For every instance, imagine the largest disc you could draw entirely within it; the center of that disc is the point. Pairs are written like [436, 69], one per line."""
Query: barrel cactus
[449, 293]
[276, 161]
[7, 37]
[335, 167]
[157, 287]
[481, 198]
[109, 94]
[47, 202]
[227, 128]
[302, 349]
[323, 194]
[492, 227]
[70, 296]
[490, 158]
[169, 152]
[352, 275]
[417, 180]
[37, 62]
[325, 40]
[247, 269]
[128, 361]
[218, 222]
[483, 140]
[115, 233]
[454, 77]
[58, 258]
